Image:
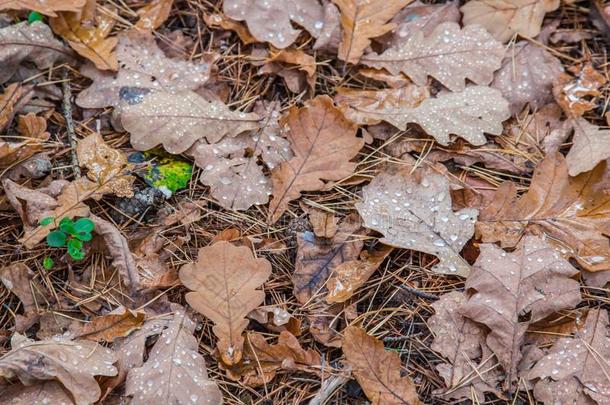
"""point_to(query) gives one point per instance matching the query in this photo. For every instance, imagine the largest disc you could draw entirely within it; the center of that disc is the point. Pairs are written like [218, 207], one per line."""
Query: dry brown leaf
[174, 371]
[261, 361]
[48, 392]
[576, 369]
[591, 145]
[143, 68]
[46, 7]
[33, 134]
[26, 42]
[73, 363]
[413, 211]
[11, 101]
[86, 31]
[19, 279]
[224, 283]
[118, 323]
[317, 132]
[362, 20]
[178, 120]
[323, 222]
[527, 75]
[350, 275]
[269, 21]
[329, 37]
[573, 212]
[449, 54]
[154, 14]
[461, 342]
[570, 92]
[377, 370]
[504, 287]
[276, 319]
[505, 18]
[300, 59]
[218, 20]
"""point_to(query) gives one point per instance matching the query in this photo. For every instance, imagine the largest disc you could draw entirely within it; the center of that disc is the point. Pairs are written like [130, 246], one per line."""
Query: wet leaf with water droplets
[46, 7]
[224, 286]
[154, 14]
[413, 211]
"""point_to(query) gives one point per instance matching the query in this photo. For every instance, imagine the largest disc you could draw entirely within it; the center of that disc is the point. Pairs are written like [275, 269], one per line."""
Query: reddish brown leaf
[118, 323]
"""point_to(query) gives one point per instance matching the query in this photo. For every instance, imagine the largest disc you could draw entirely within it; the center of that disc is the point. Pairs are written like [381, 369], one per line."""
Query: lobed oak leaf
[362, 20]
[86, 31]
[591, 145]
[505, 18]
[317, 132]
[154, 14]
[118, 323]
[509, 291]
[175, 372]
[223, 284]
[48, 392]
[377, 370]
[259, 13]
[46, 7]
[413, 211]
[576, 368]
[449, 54]
[74, 364]
[572, 212]
[178, 120]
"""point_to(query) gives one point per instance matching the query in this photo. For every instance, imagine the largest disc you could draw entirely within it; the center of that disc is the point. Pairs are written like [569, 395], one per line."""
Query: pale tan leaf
[86, 31]
[269, 21]
[449, 54]
[118, 323]
[502, 287]
[154, 14]
[175, 372]
[46, 7]
[377, 370]
[224, 283]
[323, 142]
[72, 363]
[413, 211]
[576, 370]
[574, 212]
[323, 222]
[45, 393]
[362, 20]
[505, 18]
[178, 120]
[591, 145]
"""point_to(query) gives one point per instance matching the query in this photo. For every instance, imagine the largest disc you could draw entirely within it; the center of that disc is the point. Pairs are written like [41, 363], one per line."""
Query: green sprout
[47, 263]
[71, 234]
[34, 16]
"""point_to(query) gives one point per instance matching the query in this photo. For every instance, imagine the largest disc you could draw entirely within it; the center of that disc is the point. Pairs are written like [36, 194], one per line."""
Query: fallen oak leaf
[218, 20]
[48, 392]
[223, 284]
[154, 14]
[377, 370]
[46, 7]
[570, 92]
[11, 101]
[118, 323]
[33, 131]
[591, 145]
[20, 280]
[316, 131]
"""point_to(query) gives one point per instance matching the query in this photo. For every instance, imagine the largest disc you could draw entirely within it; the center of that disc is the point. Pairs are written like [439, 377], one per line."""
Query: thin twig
[419, 293]
[67, 107]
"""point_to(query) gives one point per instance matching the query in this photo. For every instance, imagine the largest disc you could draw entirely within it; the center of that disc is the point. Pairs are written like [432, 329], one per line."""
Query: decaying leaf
[527, 76]
[509, 291]
[224, 283]
[269, 21]
[74, 364]
[178, 120]
[25, 42]
[46, 7]
[175, 372]
[143, 68]
[591, 145]
[573, 94]
[413, 211]
[33, 131]
[118, 323]
[362, 20]
[348, 276]
[377, 370]
[505, 18]
[154, 14]
[576, 369]
[48, 392]
[323, 142]
[573, 211]
[460, 341]
[449, 54]
[87, 33]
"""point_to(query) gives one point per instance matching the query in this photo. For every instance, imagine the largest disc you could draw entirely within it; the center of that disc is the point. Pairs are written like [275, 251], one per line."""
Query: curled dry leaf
[118, 323]
[33, 130]
[25, 42]
[467, 367]
[570, 93]
[413, 211]
[19, 279]
[175, 372]
[576, 369]
[74, 364]
[377, 370]
[143, 68]
[573, 211]
[505, 18]
[591, 145]
[224, 283]
[48, 392]
[154, 14]
[218, 20]
[11, 101]
[317, 132]
[46, 7]
[269, 21]
[86, 31]
[178, 120]
[449, 54]
[362, 20]
[503, 287]
[527, 75]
